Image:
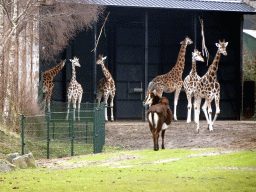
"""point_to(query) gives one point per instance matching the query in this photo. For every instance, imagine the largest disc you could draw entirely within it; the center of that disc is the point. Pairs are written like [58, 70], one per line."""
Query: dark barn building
[142, 40]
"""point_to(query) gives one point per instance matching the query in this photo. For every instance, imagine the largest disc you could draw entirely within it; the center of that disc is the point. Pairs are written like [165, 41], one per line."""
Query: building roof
[250, 32]
[210, 5]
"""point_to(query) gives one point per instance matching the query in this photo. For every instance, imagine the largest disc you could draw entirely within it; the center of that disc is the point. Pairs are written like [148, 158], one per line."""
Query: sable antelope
[159, 116]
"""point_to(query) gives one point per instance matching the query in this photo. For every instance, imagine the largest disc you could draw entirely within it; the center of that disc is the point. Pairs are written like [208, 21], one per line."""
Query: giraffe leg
[69, 100]
[68, 110]
[111, 107]
[106, 106]
[194, 106]
[217, 102]
[98, 98]
[44, 101]
[196, 116]
[205, 106]
[210, 117]
[197, 103]
[189, 107]
[176, 98]
[49, 106]
[48, 99]
[78, 106]
[74, 108]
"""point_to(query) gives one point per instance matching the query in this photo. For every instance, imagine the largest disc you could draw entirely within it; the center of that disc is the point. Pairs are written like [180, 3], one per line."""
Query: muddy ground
[135, 135]
[226, 134]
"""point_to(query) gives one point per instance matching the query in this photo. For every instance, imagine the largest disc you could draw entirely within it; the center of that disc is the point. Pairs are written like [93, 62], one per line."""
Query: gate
[55, 136]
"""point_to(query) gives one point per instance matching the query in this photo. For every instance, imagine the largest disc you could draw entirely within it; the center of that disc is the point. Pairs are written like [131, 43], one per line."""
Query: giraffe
[191, 80]
[75, 90]
[172, 81]
[48, 85]
[208, 87]
[106, 87]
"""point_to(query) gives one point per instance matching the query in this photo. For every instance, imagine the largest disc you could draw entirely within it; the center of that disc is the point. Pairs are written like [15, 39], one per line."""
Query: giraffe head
[187, 41]
[75, 62]
[100, 60]
[222, 47]
[196, 55]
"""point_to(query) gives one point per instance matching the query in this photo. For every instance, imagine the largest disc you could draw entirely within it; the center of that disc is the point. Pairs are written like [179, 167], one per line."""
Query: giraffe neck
[56, 69]
[181, 57]
[215, 64]
[193, 70]
[73, 73]
[106, 72]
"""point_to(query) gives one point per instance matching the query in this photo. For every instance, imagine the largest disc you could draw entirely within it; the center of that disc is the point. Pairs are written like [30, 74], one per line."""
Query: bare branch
[100, 33]
[204, 48]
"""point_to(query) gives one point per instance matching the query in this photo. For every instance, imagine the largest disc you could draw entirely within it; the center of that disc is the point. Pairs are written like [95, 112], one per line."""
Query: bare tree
[24, 24]
[61, 21]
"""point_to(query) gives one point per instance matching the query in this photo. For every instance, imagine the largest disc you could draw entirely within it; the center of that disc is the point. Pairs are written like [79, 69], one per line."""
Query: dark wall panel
[124, 44]
[129, 73]
[129, 109]
[130, 54]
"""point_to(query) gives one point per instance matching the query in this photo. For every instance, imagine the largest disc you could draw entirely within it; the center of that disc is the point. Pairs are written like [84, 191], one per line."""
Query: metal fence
[52, 135]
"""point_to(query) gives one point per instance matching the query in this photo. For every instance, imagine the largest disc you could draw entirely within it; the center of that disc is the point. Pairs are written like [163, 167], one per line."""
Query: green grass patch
[165, 170]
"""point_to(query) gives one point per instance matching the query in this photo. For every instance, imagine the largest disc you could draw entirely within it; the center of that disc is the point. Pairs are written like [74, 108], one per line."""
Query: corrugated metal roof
[250, 32]
[211, 5]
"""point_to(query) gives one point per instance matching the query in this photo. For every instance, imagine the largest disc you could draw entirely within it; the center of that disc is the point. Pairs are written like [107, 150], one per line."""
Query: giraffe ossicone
[106, 87]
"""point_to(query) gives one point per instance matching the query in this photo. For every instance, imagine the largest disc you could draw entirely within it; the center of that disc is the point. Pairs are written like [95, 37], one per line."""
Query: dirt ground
[226, 134]
[135, 135]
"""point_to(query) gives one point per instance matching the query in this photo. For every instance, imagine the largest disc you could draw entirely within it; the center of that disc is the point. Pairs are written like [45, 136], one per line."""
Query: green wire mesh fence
[54, 135]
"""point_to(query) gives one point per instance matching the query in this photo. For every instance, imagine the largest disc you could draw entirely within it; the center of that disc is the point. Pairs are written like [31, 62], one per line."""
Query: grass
[165, 170]
[9, 141]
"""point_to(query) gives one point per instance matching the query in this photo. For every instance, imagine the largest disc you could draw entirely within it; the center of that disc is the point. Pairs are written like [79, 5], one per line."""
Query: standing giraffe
[209, 88]
[191, 80]
[171, 81]
[48, 85]
[106, 87]
[75, 90]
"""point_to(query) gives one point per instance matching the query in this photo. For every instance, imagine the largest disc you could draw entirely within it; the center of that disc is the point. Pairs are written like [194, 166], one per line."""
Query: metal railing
[52, 135]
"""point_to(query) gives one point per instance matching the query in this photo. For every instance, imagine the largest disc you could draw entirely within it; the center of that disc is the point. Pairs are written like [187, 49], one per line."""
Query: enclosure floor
[136, 135]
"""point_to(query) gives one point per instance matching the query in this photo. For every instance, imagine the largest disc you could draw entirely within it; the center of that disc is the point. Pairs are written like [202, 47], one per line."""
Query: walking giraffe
[48, 85]
[106, 87]
[209, 88]
[172, 81]
[75, 90]
[191, 80]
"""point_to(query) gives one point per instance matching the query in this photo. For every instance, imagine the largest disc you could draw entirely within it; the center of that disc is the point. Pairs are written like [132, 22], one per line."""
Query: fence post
[22, 135]
[94, 130]
[53, 129]
[103, 125]
[72, 133]
[48, 134]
